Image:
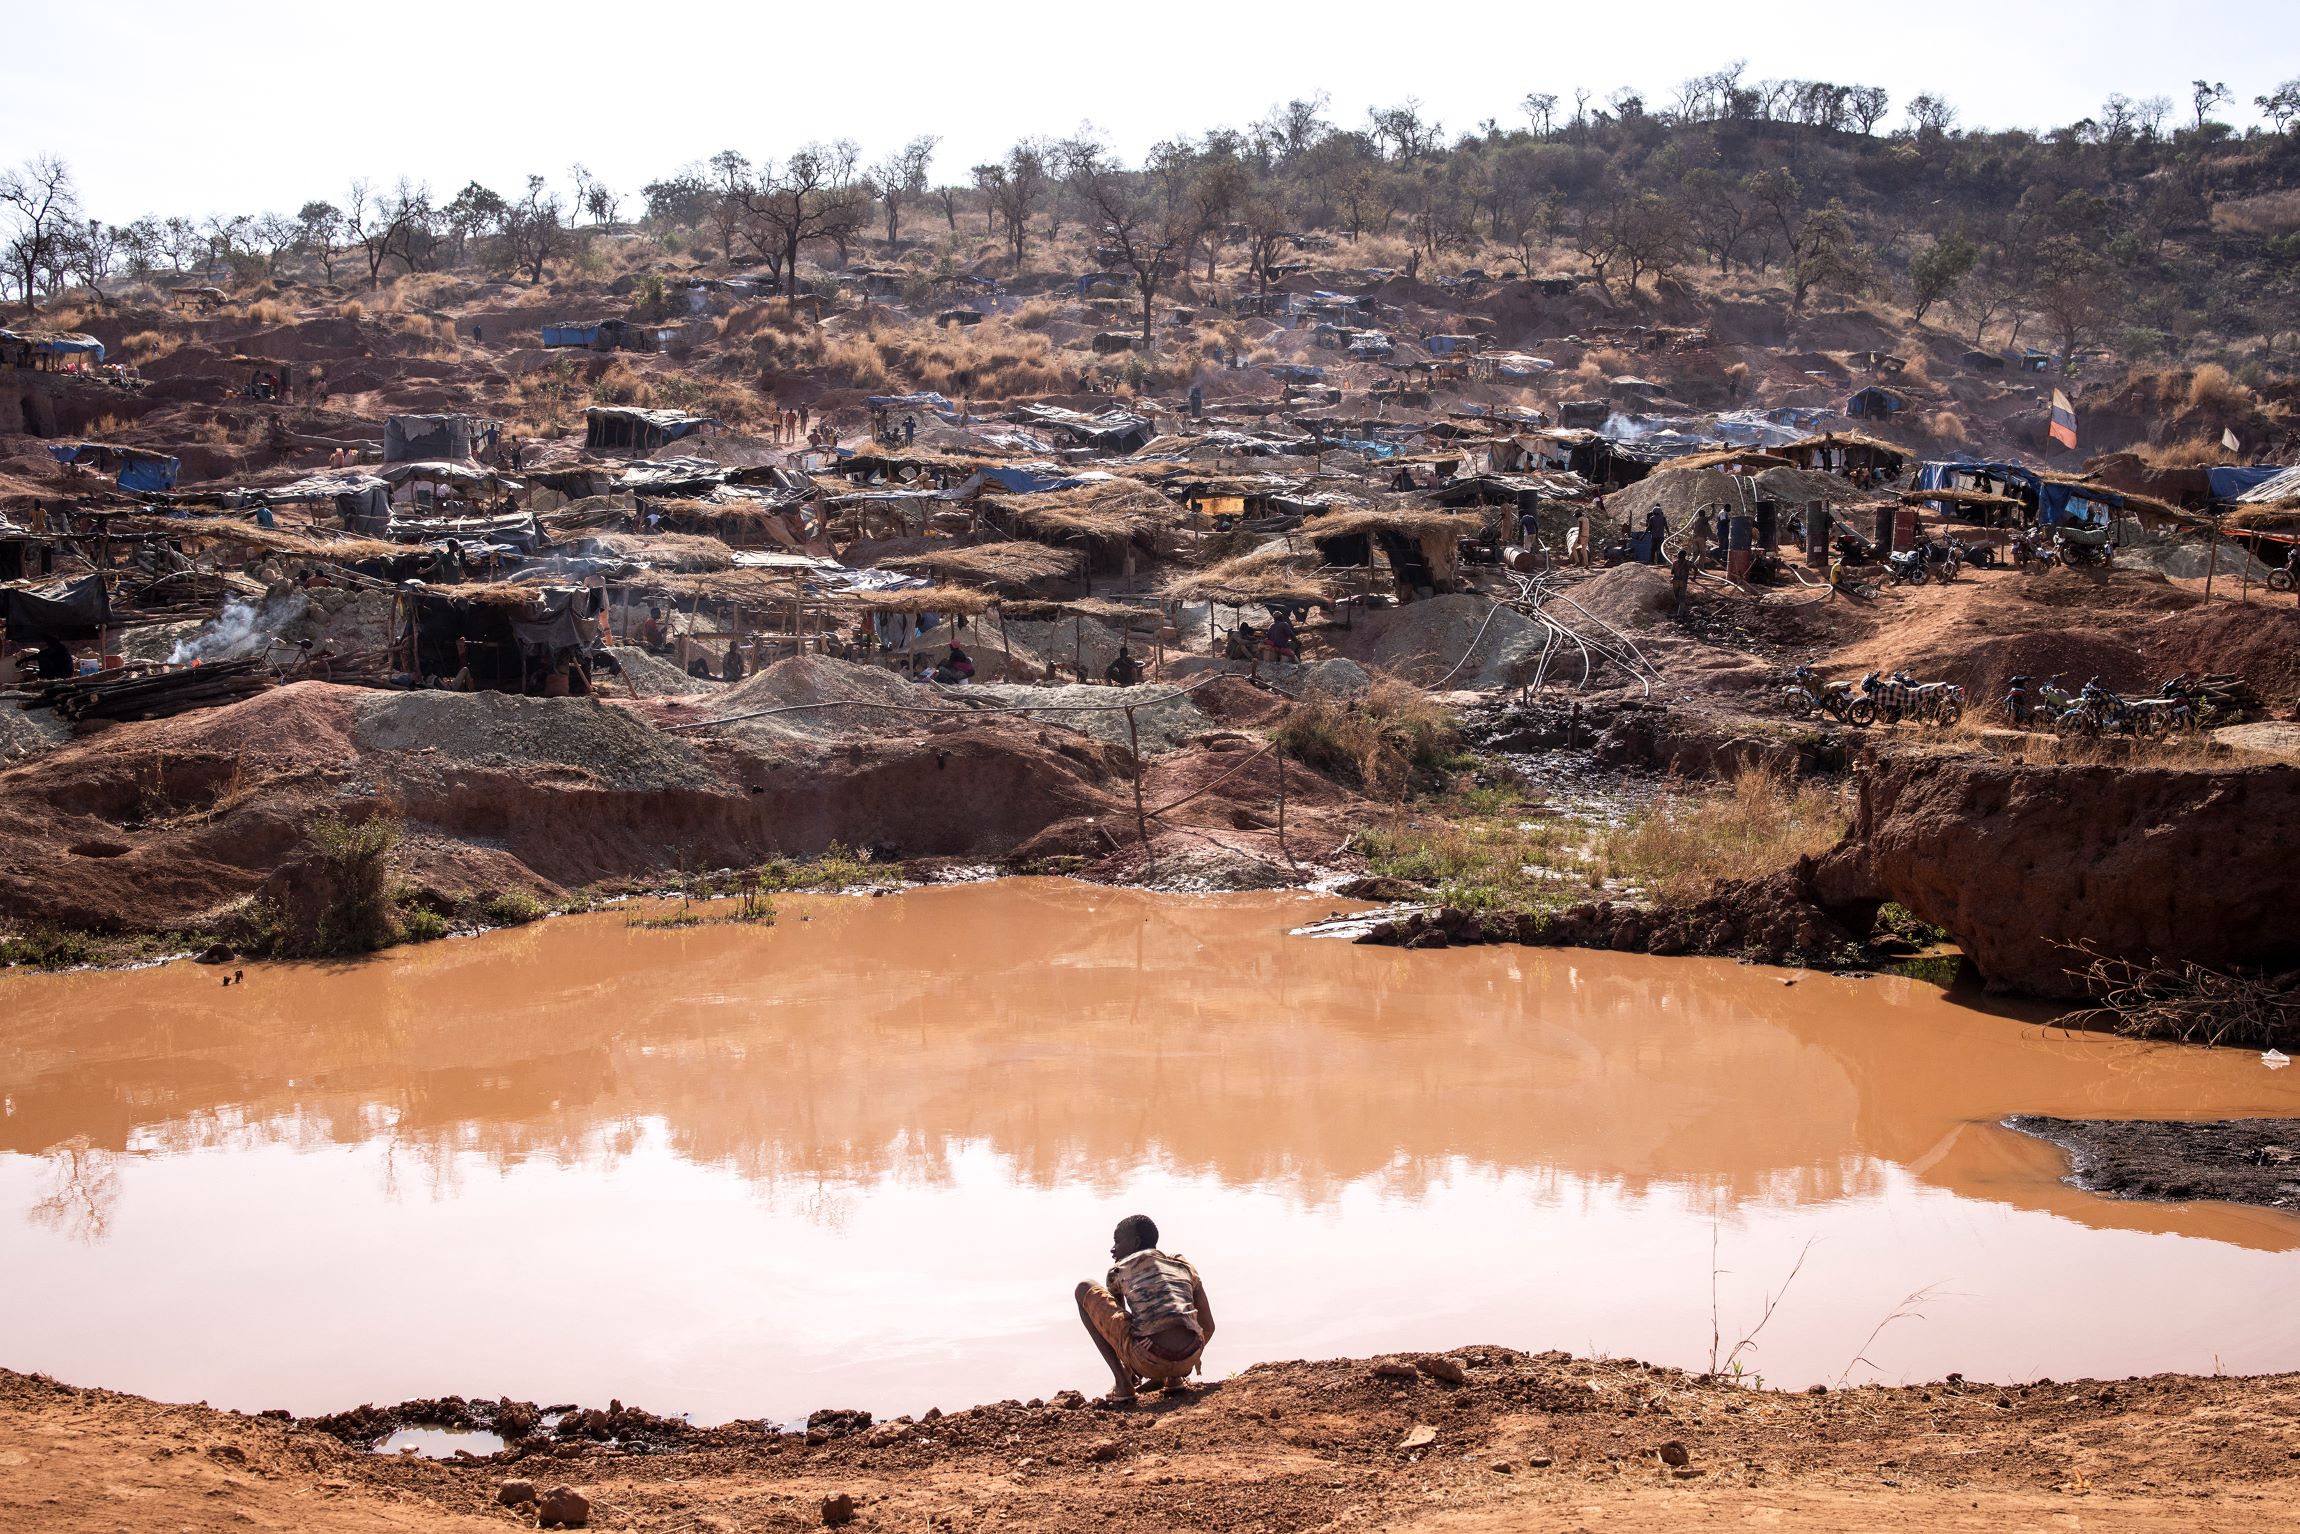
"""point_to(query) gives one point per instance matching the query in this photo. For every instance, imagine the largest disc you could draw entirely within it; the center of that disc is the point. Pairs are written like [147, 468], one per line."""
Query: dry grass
[1380, 743]
[2212, 387]
[149, 345]
[351, 309]
[2187, 453]
[269, 311]
[1763, 821]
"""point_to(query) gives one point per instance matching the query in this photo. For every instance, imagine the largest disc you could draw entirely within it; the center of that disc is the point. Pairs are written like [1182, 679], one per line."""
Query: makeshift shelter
[1875, 402]
[51, 351]
[632, 432]
[509, 634]
[1421, 546]
[1013, 565]
[67, 610]
[137, 469]
[601, 335]
[1102, 518]
[412, 438]
[1844, 451]
[1113, 431]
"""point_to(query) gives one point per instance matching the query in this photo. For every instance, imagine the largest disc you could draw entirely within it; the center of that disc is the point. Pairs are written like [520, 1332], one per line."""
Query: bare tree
[947, 195]
[1540, 108]
[90, 250]
[382, 225]
[901, 176]
[43, 206]
[1868, 104]
[731, 187]
[1018, 186]
[319, 223]
[815, 195]
[1131, 218]
[535, 228]
[2204, 95]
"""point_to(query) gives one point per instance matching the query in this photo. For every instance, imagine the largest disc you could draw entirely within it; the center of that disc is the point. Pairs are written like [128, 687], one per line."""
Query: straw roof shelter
[1273, 572]
[1009, 565]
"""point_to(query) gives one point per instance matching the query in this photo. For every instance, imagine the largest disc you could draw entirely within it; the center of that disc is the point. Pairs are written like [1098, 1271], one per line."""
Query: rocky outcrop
[2020, 861]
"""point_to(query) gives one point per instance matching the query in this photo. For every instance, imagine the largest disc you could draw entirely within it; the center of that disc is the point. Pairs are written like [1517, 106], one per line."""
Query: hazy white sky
[170, 108]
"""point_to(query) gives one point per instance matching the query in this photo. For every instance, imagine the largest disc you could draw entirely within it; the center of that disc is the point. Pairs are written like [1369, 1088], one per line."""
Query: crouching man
[1152, 1322]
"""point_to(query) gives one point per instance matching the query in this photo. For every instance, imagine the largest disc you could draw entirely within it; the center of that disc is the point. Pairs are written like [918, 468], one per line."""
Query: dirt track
[1282, 1447]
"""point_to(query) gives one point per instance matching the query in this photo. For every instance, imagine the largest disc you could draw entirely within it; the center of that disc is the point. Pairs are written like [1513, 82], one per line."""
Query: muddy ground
[2242, 1161]
[1541, 1442]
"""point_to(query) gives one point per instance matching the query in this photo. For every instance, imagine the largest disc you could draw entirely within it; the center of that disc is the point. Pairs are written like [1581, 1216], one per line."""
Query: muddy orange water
[859, 1159]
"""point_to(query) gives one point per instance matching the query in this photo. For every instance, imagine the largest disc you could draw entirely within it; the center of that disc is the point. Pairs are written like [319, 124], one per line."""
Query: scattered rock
[1102, 1450]
[563, 1507]
[839, 1509]
[228, 1451]
[1674, 1455]
[835, 1422]
[1393, 1369]
[515, 1493]
[1067, 1400]
[1419, 1436]
[1539, 1461]
[1502, 1467]
[1449, 1370]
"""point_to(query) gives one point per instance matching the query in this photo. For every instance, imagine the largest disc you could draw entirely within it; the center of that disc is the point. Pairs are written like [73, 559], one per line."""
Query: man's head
[1135, 1233]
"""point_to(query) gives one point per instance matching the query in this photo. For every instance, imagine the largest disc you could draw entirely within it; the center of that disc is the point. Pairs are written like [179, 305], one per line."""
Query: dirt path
[1540, 1442]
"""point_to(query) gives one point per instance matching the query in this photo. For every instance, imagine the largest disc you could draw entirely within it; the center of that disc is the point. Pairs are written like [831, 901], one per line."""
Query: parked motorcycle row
[2094, 709]
[1878, 699]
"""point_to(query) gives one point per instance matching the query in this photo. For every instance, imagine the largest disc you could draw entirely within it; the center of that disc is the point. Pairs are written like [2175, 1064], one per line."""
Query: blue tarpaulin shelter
[571, 335]
[138, 469]
[1875, 401]
[2228, 481]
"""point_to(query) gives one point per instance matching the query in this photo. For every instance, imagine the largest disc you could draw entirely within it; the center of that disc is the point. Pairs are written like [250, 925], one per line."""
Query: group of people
[1280, 642]
[788, 425]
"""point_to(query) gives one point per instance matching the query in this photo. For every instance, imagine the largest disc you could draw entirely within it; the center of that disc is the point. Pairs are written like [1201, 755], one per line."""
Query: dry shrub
[1037, 314]
[2183, 1001]
[2187, 453]
[1765, 820]
[149, 345]
[1947, 426]
[1377, 743]
[351, 309]
[620, 384]
[2212, 387]
[269, 311]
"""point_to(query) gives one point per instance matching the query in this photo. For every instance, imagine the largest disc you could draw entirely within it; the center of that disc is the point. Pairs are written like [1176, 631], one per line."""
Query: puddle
[440, 1442]
[860, 1157]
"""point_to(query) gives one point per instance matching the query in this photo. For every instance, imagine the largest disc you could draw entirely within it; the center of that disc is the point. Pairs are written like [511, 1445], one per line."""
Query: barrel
[1905, 528]
[1737, 562]
[1740, 534]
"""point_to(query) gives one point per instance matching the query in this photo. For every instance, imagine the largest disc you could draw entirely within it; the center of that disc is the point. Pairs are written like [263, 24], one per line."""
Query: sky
[254, 106]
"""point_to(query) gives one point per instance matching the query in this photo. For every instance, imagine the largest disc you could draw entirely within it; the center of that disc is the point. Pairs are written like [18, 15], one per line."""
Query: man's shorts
[1108, 1319]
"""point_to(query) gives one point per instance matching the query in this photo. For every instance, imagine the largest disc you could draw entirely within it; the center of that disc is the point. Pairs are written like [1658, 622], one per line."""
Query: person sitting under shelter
[1124, 671]
[956, 667]
[1241, 644]
[1149, 1318]
[732, 666]
[54, 660]
[652, 636]
[1283, 642]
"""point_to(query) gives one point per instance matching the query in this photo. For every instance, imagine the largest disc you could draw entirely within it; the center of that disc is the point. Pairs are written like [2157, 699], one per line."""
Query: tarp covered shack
[628, 430]
[138, 468]
[413, 438]
[76, 609]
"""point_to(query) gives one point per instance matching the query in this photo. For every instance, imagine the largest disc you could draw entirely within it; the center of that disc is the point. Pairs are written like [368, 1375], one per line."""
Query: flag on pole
[2063, 427]
[2228, 439]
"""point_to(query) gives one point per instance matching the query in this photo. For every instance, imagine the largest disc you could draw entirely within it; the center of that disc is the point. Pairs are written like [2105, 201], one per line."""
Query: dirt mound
[651, 676]
[1626, 596]
[2257, 641]
[1163, 717]
[28, 732]
[1430, 643]
[609, 746]
[802, 680]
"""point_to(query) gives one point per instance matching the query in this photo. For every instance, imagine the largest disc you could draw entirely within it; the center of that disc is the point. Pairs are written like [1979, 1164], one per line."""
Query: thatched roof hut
[1006, 566]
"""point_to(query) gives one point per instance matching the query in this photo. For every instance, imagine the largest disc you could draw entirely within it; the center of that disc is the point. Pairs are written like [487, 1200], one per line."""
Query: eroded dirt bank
[1525, 1442]
[2019, 862]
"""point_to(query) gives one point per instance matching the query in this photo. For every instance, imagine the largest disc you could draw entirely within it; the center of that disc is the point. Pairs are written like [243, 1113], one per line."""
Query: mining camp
[1634, 763]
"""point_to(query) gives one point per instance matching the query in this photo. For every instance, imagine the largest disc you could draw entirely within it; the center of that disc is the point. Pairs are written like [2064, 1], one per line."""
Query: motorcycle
[1807, 695]
[1941, 703]
[2019, 706]
[2283, 576]
[1907, 568]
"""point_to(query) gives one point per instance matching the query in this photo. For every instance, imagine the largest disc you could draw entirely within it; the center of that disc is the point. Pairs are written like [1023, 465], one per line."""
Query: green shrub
[511, 908]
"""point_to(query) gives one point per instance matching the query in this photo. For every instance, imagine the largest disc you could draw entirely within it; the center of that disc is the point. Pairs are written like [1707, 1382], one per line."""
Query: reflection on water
[712, 1169]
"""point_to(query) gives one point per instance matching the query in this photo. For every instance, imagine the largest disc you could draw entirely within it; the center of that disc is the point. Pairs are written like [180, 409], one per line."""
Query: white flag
[2228, 438]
